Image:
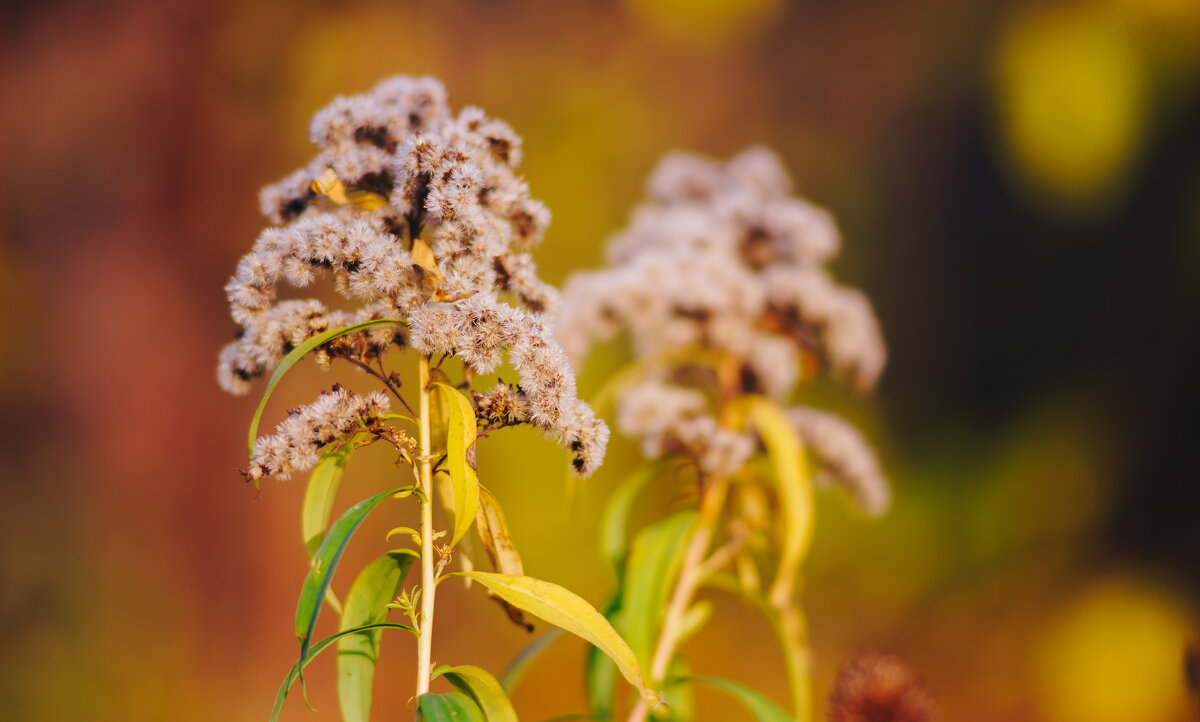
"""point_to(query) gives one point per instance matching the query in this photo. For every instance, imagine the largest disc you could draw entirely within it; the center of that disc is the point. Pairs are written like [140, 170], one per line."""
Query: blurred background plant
[1022, 184]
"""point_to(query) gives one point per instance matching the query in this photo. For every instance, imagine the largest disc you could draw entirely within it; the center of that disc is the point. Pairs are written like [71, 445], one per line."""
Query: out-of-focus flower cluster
[722, 262]
[417, 214]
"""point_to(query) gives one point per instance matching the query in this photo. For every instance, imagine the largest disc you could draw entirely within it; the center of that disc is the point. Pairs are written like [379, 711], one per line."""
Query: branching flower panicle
[720, 283]
[722, 261]
[416, 214]
[418, 218]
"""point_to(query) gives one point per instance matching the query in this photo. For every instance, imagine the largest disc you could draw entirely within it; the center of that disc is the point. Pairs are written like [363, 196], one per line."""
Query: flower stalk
[691, 575]
[428, 580]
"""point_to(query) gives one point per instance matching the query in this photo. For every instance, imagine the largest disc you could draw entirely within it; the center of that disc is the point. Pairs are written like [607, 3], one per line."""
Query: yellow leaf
[567, 610]
[795, 492]
[330, 186]
[422, 255]
[493, 532]
[460, 437]
[416, 535]
[482, 687]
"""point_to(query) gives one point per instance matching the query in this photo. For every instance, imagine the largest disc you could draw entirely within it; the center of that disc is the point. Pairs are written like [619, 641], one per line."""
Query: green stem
[428, 582]
[690, 576]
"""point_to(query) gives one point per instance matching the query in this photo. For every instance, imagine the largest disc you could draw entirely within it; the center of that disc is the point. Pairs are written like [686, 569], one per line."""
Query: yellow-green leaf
[614, 521]
[366, 603]
[448, 707]
[795, 492]
[319, 496]
[460, 437]
[565, 609]
[653, 567]
[482, 687]
[294, 673]
[760, 705]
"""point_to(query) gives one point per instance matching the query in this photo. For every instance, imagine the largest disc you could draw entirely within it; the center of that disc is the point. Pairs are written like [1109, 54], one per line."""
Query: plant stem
[428, 582]
[690, 576]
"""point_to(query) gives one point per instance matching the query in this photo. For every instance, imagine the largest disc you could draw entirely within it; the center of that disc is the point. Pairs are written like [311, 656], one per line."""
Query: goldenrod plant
[418, 216]
[719, 283]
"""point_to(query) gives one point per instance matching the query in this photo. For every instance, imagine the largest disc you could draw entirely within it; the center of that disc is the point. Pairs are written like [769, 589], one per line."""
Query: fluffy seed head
[393, 166]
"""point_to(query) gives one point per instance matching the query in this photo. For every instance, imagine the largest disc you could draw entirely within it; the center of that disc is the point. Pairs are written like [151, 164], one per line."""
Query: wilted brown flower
[879, 688]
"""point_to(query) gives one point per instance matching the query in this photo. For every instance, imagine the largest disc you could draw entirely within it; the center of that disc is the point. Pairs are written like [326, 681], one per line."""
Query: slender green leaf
[520, 664]
[298, 353]
[482, 687]
[449, 707]
[366, 603]
[600, 671]
[614, 521]
[460, 438]
[564, 608]
[679, 699]
[790, 630]
[319, 496]
[694, 618]
[324, 562]
[795, 492]
[294, 673]
[653, 566]
[760, 705]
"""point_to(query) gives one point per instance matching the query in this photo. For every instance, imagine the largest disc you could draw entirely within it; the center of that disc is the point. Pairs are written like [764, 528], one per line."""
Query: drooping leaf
[653, 567]
[520, 664]
[324, 562]
[564, 608]
[366, 603]
[298, 353]
[294, 673]
[493, 532]
[481, 686]
[460, 438]
[795, 492]
[614, 521]
[760, 705]
[448, 707]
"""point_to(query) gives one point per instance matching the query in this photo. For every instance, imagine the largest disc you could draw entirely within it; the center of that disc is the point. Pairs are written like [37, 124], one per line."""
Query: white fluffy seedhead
[722, 260]
[393, 166]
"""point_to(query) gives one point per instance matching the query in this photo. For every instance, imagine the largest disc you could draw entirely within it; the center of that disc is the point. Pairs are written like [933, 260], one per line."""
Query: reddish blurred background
[1018, 184]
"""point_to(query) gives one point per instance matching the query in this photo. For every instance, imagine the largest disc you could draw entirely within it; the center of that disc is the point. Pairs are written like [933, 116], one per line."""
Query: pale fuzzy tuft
[300, 440]
[844, 457]
[722, 260]
[479, 329]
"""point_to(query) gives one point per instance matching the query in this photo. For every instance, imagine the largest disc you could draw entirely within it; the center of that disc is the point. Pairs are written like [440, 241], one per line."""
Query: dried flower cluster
[299, 440]
[417, 214]
[879, 688]
[722, 261]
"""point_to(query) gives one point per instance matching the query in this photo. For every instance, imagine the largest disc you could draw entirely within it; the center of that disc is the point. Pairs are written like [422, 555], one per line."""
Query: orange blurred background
[1018, 184]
